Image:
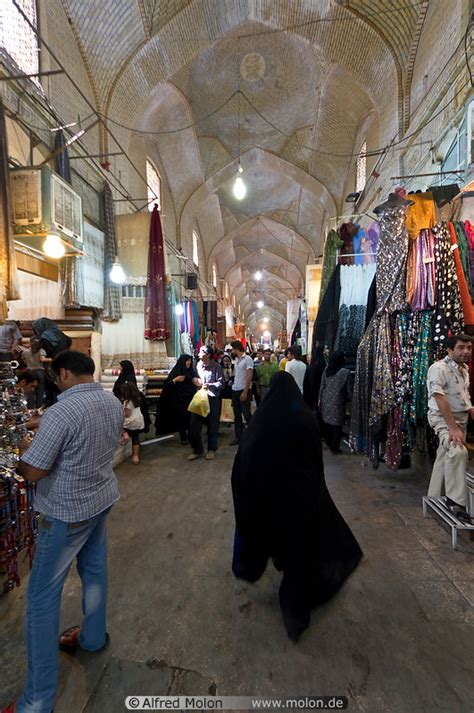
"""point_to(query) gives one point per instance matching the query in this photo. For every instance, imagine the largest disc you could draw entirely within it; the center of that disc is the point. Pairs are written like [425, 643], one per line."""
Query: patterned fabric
[112, 293]
[422, 358]
[421, 275]
[383, 389]
[448, 317]
[360, 435]
[334, 393]
[449, 379]
[156, 307]
[392, 251]
[76, 442]
[332, 245]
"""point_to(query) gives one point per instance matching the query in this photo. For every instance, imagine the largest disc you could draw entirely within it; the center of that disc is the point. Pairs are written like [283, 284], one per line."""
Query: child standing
[133, 422]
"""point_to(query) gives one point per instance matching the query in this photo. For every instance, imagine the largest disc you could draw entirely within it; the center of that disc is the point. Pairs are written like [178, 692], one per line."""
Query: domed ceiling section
[283, 85]
[252, 70]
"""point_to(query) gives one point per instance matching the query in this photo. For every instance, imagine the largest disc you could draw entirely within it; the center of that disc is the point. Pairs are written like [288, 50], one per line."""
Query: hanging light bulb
[265, 319]
[258, 275]
[260, 304]
[53, 246]
[179, 309]
[117, 273]
[240, 189]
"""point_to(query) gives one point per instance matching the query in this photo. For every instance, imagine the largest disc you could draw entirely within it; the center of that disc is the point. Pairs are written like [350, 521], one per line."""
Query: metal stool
[438, 506]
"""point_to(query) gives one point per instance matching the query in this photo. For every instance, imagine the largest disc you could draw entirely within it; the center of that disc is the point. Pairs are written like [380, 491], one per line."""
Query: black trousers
[212, 423]
[332, 436]
[240, 407]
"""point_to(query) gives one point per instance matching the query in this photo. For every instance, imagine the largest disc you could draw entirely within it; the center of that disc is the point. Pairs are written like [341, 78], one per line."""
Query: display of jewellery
[18, 522]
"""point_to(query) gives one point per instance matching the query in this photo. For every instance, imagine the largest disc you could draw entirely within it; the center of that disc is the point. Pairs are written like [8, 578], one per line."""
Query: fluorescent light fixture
[258, 275]
[260, 304]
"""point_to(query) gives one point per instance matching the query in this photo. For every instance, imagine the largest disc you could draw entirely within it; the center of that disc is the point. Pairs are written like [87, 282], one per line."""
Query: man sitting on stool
[449, 407]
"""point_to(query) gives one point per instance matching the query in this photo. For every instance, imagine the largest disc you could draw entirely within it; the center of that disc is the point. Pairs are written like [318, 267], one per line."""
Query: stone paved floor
[398, 637]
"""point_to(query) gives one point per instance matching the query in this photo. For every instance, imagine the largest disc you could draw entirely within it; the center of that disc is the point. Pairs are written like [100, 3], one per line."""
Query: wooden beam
[34, 266]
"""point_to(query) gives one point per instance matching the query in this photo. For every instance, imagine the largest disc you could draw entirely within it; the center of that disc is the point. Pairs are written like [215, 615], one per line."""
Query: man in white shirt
[241, 393]
[449, 408]
[295, 366]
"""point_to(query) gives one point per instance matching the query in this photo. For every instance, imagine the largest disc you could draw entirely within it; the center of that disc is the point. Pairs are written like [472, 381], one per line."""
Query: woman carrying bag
[178, 390]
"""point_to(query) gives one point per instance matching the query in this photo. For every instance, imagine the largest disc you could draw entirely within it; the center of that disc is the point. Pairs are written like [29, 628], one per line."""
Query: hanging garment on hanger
[332, 245]
[469, 232]
[421, 274]
[355, 285]
[326, 323]
[421, 215]
[448, 315]
[357, 244]
[392, 251]
[347, 231]
[464, 291]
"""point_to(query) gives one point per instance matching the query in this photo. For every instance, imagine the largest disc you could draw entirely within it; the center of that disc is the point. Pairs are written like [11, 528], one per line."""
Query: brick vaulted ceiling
[284, 84]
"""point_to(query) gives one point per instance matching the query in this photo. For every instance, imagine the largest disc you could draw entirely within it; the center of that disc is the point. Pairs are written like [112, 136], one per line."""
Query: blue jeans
[59, 543]
[212, 423]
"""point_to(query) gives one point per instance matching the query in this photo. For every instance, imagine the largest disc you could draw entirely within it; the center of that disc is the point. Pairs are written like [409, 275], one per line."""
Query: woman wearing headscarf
[313, 376]
[127, 376]
[336, 390]
[283, 509]
[127, 373]
[52, 339]
[178, 391]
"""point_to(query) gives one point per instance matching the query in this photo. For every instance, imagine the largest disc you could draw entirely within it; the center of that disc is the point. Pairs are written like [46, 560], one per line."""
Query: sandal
[71, 643]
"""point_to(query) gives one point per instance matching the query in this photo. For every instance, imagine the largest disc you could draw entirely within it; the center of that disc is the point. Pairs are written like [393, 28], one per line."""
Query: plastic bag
[200, 403]
[227, 413]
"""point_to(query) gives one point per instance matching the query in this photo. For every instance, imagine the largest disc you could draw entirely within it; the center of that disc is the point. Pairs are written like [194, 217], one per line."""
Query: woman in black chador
[178, 390]
[283, 509]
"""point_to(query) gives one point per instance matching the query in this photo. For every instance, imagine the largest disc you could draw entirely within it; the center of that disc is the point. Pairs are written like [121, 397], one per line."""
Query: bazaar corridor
[396, 638]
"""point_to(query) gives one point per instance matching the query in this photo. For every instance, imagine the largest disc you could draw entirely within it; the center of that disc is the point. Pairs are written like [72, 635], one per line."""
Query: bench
[438, 506]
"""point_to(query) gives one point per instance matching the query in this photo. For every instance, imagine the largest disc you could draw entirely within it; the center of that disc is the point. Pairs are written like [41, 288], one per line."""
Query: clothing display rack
[424, 293]
[18, 522]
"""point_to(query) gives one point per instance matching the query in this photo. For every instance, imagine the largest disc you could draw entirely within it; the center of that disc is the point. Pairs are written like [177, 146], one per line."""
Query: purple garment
[424, 293]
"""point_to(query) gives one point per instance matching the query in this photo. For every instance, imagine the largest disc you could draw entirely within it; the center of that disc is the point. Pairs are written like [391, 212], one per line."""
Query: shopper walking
[265, 371]
[178, 390]
[449, 408]
[241, 395]
[283, 509]
[296, 366]
[71, 460]
[127, 373]
[133, 422]
[336, 390]
[209, 377]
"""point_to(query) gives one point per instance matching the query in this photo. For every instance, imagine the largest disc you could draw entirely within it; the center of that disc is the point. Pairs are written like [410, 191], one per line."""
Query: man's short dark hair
[27, 376]
[296, 351]
[267, 350]
[77, 363]
[455, 338]
[237, 345]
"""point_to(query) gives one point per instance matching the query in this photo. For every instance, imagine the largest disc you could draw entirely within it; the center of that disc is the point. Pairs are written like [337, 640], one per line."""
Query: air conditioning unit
[42, 202]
